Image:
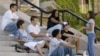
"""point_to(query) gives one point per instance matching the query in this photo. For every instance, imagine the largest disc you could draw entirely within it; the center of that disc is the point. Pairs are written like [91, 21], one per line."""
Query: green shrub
[73, 5]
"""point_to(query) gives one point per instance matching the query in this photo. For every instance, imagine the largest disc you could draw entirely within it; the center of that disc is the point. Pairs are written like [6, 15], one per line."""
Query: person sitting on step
[58, 47]
[9, 20]
[23, 36]
[54, 22]
[34, 29]
[71, 37]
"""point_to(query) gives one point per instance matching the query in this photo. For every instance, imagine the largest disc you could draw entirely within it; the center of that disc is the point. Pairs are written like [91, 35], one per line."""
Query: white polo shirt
[7, 18]
[33, 28]
[54, 43]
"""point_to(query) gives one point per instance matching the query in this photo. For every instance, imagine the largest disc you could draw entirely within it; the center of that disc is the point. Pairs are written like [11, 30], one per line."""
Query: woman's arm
[90, 26]
[87, 28]
[55, 21]
[68, 35]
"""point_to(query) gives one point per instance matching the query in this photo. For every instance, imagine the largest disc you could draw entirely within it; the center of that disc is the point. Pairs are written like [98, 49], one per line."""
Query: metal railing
[61, 11]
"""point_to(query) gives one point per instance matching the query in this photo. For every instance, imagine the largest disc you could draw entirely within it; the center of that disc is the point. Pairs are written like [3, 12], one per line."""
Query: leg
[70, 40]
[38, 47]
[59, 51]
[68, 50]
[11, 28]
[59, 26]
[90, 44]
[35, 46]
[77, 44]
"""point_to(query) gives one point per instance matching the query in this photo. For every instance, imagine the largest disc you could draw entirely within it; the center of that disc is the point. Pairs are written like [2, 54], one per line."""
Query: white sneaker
[67, 55]
[11, 35]
[85, 53]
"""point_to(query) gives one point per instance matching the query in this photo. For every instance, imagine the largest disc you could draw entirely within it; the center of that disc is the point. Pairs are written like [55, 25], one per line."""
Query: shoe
[85, 53]
[11, 35]
[79, 53]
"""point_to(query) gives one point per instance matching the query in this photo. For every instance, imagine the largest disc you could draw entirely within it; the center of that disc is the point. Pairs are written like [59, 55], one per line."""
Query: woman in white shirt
[90, 32]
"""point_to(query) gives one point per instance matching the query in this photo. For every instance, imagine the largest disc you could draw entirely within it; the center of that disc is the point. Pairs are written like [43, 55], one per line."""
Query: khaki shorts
[32, 45]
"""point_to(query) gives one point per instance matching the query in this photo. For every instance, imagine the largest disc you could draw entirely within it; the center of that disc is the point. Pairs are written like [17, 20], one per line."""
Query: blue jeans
[91, 38]
[62, 51]
[58, 26]
[11, 28]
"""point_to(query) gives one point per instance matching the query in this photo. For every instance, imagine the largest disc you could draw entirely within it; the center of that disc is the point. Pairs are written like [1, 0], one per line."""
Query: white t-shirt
[87, 25]
[54, 43]
[7, 18]
[35, 29]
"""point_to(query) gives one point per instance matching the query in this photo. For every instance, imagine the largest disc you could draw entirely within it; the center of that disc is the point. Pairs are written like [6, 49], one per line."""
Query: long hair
[91, 15]
[53, 13]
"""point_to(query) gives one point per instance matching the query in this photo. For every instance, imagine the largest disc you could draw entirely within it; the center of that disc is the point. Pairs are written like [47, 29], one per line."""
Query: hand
[60, 22]
[78, 35]
[82, 28]
[43, 35]
[70, 45]
[48, 35]
[14, 19]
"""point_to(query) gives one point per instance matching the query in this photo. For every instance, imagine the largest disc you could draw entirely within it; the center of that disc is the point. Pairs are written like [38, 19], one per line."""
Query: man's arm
[17, 40]
[14, 19]
[66, 44]
[37, 35]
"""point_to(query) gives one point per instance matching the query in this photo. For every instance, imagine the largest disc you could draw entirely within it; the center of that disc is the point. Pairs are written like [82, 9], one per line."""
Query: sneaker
[79, 53]
[85, 53]
[11, 35]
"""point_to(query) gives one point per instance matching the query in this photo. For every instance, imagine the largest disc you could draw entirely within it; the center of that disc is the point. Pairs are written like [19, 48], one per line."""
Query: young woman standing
[90, 32]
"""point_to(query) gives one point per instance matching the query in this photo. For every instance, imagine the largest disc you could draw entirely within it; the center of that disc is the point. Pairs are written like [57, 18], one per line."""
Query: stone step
[17, 54]
[3, 32]
[21, 54]
[7, 43]
[12, 54]
[6, 49]
[5, 38]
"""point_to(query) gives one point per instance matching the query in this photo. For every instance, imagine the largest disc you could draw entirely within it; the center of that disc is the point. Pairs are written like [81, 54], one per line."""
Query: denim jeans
[62, 51]
[11, 28]
[58, 26]
[91, 38]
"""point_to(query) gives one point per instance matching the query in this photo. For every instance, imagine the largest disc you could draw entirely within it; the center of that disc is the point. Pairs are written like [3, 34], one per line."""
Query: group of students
[61, 40]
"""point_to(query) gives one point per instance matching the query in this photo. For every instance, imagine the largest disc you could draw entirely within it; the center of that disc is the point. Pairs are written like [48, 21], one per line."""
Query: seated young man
[70, 36]
[59, 47]
[34, 29]
[9, 20]
[22, 36]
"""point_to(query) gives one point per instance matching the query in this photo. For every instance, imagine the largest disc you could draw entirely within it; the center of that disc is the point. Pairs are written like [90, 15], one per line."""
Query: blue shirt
[24, 36]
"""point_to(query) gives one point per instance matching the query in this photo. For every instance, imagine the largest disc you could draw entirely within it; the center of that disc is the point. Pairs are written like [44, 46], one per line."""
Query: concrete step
[6, 49]
[5, 38]
[21, 54]
[3, 32]
[7, 43]
[18, 54]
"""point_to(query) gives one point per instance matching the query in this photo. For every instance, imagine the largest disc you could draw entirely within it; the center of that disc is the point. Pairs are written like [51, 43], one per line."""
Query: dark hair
[55, 32]
[32, 18]
[19, 23]
[91, 15]
[66, 25]
[53, 13]
[12, 5]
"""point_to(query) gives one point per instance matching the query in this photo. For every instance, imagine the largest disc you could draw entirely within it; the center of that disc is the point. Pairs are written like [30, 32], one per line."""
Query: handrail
[62, 11]
[37, 7]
